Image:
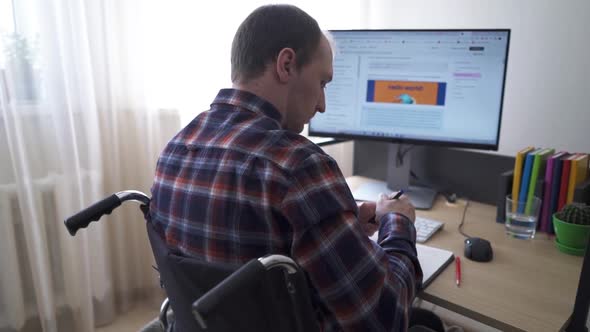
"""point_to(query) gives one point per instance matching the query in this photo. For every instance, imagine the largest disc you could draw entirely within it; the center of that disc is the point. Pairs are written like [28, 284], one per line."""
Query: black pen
[399, 194]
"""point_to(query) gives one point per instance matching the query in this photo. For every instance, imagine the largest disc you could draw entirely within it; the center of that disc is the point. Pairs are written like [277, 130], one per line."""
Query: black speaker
[582, 192]
[504, 189]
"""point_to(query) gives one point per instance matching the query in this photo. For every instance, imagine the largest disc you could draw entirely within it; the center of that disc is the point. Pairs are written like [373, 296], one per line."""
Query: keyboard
[425, 228]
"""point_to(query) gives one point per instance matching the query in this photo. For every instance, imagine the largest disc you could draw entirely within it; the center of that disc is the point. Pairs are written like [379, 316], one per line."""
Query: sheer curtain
[90, 92]
[75, 125]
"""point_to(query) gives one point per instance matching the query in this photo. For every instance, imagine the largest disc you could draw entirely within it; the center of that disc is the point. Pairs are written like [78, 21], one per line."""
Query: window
[19, 53]
[6, 27]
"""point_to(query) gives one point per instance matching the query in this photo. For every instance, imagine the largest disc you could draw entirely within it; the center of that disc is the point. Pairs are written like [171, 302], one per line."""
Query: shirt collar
[249, 101]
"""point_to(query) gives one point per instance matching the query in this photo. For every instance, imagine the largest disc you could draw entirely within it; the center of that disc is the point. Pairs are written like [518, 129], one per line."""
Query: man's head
[280, 54]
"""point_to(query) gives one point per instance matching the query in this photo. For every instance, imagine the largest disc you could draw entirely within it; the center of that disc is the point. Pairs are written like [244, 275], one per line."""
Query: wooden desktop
[528, 286]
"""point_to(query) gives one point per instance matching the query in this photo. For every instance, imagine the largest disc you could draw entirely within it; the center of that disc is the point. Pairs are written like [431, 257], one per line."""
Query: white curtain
[90, 92]
[75, 125]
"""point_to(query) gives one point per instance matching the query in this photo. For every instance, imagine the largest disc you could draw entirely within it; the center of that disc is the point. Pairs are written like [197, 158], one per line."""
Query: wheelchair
[265, 294]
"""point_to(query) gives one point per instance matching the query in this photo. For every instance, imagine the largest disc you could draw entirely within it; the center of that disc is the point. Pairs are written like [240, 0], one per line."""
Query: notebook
[432, 260]
[578, 174]
[538, 172]
[526, 178]
[545, 224]
[518, 166]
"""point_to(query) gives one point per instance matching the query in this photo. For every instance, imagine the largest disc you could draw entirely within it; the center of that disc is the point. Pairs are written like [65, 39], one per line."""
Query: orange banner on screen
[406, 92]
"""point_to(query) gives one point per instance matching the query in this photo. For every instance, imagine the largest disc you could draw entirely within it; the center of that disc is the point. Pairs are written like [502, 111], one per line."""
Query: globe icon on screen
[405, 98]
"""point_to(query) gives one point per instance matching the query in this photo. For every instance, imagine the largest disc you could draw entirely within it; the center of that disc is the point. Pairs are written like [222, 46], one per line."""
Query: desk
[529, 285]
[324, 141]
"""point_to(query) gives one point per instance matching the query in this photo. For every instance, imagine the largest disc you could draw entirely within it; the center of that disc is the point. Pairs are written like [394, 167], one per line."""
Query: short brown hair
[265, 32]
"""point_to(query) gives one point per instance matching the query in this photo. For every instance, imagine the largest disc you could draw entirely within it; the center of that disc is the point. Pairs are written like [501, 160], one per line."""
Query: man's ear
[285, 65]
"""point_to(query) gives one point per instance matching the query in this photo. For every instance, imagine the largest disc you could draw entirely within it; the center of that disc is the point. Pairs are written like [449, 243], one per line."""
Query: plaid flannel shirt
[233, 185]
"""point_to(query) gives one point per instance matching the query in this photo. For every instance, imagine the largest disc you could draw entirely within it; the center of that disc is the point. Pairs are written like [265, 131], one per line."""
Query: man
[239, 182]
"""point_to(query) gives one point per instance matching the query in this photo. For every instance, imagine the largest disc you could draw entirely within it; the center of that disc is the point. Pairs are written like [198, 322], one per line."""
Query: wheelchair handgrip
[92, 213]
[243, 277]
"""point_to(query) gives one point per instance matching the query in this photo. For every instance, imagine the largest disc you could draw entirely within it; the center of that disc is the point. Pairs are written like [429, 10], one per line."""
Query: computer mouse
[478, 249]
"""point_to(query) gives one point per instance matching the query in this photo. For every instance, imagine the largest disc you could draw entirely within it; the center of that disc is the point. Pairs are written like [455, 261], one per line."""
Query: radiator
[18, 301]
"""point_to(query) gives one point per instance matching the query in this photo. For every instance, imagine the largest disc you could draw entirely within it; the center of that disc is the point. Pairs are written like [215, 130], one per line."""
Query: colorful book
[555, 186]
[578, 173]
[545, 217]
[526, 177]
[565, 180]
[518, 165]
[538, 171]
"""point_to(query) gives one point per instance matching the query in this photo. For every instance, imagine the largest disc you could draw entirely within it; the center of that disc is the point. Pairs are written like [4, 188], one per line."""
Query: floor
[456, 322]
[135, 319]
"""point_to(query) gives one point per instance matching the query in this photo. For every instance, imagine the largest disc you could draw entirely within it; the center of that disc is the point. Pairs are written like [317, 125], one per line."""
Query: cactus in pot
[572, 228]
[575, 213]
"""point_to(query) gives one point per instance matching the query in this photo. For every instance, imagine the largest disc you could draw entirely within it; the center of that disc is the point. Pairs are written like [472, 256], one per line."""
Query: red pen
[457, 271]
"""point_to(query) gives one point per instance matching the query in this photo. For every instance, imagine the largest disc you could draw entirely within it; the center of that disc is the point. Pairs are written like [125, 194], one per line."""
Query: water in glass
[520, 225]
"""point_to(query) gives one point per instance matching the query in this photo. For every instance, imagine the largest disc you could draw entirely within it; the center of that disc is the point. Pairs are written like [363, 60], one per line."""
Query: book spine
[555, 185]
[565, 176]
[524, 186]
[546, 206]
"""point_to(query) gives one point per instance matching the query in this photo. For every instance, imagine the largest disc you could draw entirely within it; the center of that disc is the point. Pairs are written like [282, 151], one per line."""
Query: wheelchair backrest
[265, 304]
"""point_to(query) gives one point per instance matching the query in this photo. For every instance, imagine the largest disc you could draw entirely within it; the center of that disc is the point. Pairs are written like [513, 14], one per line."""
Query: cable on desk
[463, 220]
[450, 196]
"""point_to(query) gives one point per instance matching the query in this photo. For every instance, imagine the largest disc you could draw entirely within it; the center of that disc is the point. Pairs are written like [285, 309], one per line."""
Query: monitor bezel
[450, 143]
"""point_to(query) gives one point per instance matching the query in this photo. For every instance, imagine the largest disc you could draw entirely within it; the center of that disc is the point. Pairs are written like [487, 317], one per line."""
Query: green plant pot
[568, 250]
[571, 236]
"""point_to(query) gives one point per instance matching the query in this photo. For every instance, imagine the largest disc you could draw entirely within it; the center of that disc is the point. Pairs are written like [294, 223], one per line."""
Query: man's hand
[367, 217]
[401, 205]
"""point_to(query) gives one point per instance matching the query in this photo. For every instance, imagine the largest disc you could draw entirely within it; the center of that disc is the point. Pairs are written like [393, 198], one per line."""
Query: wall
[471, 175]
[344, 154]
[548, 65]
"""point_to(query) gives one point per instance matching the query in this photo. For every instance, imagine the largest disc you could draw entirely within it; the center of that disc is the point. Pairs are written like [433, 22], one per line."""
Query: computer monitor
[423, 87]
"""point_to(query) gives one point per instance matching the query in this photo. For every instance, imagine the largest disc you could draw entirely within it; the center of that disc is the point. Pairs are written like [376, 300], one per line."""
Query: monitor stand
[398, 177]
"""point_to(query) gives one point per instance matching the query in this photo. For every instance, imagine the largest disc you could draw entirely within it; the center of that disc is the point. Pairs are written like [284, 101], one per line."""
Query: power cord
[450, 196]
[399, 157]
[399, 161]
[463, 220]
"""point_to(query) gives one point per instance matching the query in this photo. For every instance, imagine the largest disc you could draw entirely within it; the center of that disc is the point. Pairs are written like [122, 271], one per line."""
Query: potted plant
[22, 77]
[572, 228]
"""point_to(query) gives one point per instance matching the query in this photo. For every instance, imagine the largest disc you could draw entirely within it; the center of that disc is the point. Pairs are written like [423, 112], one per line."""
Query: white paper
[431, 260]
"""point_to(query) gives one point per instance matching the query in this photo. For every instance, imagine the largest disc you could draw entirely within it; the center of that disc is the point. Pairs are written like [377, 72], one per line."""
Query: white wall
[343, 153]
[188, 49]
[547, 94]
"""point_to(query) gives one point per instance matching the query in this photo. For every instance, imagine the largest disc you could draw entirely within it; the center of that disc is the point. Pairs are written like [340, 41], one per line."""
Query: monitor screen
[441, 87]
